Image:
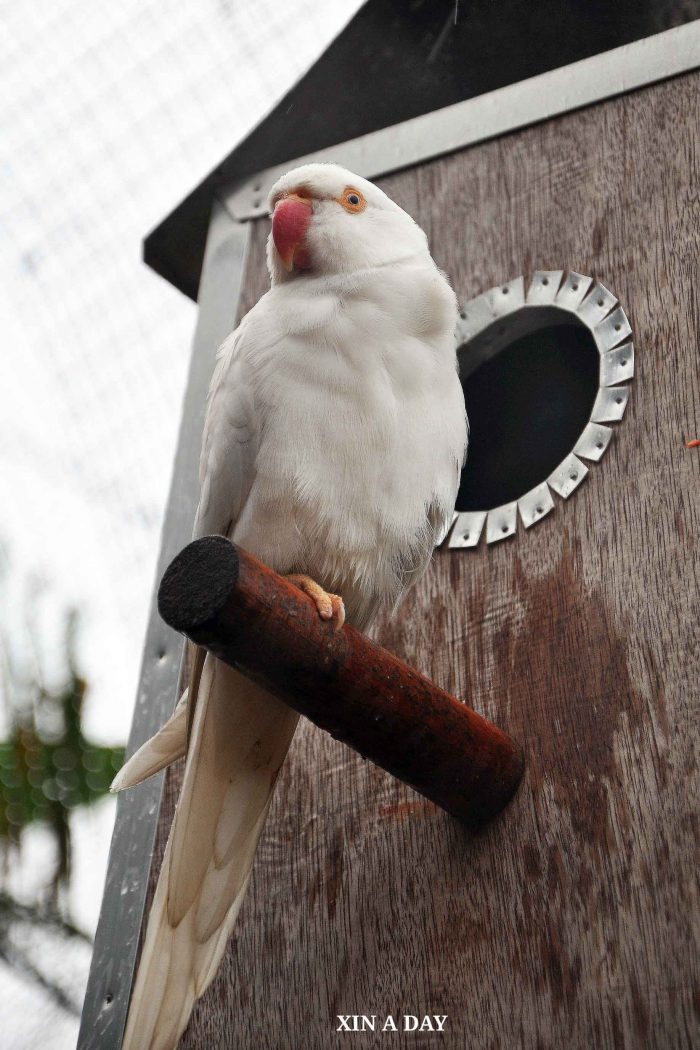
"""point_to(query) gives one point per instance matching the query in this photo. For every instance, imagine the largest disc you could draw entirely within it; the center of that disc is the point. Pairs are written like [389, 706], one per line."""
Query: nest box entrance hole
[529, 381]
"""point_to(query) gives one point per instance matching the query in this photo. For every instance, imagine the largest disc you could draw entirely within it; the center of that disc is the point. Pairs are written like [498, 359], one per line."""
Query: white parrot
[333, 444]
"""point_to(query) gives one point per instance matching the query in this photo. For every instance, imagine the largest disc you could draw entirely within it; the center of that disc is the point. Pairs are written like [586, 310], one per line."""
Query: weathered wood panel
[569, 922]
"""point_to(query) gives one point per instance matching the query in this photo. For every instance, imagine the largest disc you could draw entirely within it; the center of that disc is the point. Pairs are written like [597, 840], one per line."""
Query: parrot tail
[239, 738]
[160, 751]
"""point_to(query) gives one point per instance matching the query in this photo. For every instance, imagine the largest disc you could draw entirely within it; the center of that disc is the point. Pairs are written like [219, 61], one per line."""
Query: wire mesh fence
[110, 113]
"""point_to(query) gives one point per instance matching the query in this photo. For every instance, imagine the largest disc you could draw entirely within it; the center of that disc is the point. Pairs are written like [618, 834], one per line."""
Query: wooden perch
[256, 621]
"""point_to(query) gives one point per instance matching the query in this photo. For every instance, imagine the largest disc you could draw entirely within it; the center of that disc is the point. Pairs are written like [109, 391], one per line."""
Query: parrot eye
[352, 200]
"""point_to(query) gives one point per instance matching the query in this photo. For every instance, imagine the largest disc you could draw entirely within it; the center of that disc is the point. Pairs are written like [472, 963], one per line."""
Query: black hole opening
[527, 407]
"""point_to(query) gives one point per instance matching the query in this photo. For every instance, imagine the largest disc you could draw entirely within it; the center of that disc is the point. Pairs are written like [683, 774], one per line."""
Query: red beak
[290, 221]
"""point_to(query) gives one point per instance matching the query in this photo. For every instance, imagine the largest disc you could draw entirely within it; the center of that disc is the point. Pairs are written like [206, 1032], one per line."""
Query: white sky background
[109, 115]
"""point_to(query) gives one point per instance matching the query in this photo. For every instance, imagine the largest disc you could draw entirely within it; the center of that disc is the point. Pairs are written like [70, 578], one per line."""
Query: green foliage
[40, 777]
[47, 766]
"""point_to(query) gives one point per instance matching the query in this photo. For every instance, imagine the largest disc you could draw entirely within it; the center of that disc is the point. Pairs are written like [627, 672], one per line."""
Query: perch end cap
[197, 583]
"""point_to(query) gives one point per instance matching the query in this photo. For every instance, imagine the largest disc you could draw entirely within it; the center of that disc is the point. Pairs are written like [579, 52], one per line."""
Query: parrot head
[327, 221]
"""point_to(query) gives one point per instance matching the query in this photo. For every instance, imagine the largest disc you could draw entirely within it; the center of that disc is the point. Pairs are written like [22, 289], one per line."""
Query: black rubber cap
[197, 583]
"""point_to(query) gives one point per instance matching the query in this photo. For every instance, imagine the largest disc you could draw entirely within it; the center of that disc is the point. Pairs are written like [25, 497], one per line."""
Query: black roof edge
[414, 59]
[163, 246]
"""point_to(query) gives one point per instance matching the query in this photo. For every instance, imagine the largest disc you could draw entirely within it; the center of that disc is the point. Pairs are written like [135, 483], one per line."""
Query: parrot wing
[227, 470]
[229, 442]
[160, 751]
[239, 736]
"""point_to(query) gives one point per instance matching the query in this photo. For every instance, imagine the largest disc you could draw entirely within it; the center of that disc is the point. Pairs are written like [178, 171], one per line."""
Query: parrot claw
[338, 610]
[330, 606]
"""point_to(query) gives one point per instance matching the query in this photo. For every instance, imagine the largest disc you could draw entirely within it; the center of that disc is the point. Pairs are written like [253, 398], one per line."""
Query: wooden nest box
[554, 168]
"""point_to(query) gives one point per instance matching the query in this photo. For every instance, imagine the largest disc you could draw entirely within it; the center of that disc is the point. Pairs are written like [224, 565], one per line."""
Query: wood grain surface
[570, 921]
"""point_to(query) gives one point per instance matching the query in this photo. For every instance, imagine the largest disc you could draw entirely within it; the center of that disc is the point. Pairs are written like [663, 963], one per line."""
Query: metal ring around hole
[592, 305]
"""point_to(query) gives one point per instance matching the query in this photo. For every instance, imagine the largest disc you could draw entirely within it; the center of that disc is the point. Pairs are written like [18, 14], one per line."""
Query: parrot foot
[330, 606]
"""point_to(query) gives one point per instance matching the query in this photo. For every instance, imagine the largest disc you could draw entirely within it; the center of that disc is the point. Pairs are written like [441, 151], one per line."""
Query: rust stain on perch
[226, 600]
